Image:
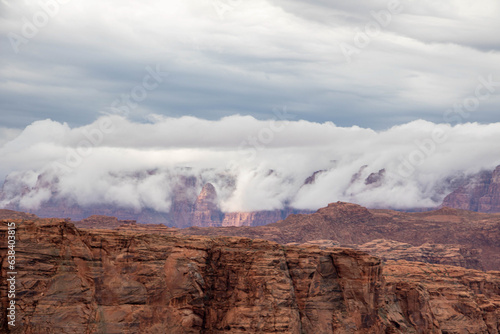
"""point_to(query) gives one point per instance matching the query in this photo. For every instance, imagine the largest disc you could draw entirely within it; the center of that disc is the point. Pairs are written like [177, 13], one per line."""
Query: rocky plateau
[447, 236]
[152, 279]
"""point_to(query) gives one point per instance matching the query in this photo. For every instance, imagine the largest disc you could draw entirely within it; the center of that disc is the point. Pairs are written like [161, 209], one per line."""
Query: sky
[112, 101]
[373, 64]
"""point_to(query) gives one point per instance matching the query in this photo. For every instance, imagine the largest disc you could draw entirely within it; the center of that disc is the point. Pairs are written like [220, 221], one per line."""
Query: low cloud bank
[253, 164]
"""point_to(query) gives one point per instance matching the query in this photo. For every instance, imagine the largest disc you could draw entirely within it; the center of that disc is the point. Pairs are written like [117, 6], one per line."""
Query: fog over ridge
[253, 164]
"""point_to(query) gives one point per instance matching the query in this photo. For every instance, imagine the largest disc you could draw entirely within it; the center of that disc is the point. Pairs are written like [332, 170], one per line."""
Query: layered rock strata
[124, 281]
[476, 234]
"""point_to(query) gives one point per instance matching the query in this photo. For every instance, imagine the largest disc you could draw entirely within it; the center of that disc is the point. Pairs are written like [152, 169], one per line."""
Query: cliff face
[248, 218]
[258, 218]
[103, 281]
[481, 193]
[445, 299]
[206, 208]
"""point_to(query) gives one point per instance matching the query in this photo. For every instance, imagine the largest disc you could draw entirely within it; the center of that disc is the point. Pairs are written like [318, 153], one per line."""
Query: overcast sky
[226, 57]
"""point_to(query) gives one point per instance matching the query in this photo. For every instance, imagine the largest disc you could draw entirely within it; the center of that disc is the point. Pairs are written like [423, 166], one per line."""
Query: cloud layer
[254, 164]
[229, 57]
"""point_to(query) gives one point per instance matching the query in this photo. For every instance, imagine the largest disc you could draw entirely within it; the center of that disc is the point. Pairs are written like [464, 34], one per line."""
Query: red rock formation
[353, 224]
[248, 218]
[103, 281]
[481, 193]
[258, 218]
[455, 255]
[10, 214]
[206, 209]
[103, 222]
[182, 202]
[189, 207]
[444, 299]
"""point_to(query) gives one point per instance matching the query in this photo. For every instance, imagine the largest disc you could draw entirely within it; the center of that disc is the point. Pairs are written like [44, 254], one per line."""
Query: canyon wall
[130, 281]
[481, 193]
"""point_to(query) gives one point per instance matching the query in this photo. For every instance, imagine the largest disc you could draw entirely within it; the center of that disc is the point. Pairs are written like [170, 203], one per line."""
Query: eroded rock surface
[351, 224]
[454, 255]
[126, 281]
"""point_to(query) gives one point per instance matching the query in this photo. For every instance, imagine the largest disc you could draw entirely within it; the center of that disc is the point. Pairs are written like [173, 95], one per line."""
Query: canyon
[153, 279]
[194, 201]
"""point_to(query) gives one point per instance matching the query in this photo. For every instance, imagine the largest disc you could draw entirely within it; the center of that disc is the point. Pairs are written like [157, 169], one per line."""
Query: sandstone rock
[10, 214]
[183, 201]
[352, 224]
[454, 255]
[255, 218]
[481, 193]
[122, 281]
[258, 218]
[206, 209]
[188, 205]
[322, 244]
[98, 221]
[445, 298]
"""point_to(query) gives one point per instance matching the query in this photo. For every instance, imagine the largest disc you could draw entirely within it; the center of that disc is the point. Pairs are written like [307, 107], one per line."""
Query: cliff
[206, 208]
[125, 281]
[481, 193]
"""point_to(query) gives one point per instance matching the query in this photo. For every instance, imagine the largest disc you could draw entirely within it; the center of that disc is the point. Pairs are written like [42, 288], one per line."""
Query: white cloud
[7, 135]
[254, 165]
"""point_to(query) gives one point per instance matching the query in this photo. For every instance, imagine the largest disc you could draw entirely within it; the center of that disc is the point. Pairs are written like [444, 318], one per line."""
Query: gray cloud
[257, 56]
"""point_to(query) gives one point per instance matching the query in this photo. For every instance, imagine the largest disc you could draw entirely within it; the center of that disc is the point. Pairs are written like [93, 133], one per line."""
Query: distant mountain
[481, 192]
[189, 206]
[195, 200]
